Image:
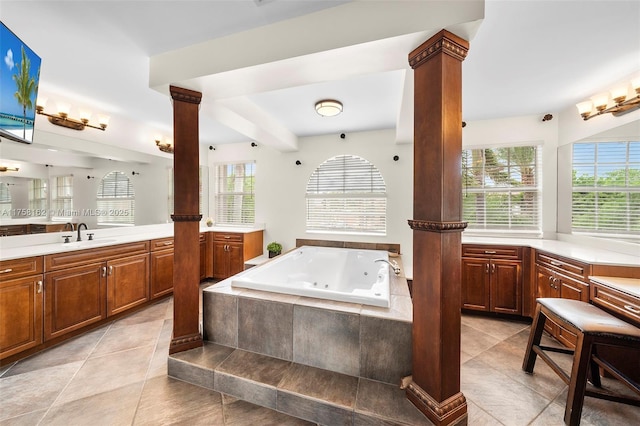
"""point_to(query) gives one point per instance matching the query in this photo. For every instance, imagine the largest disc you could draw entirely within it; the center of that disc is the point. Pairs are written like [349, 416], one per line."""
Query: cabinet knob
[489, 252]
[39, 287]
[632, 309]
[110, 270]
[5, 271]
[486, 268]
[104, 271]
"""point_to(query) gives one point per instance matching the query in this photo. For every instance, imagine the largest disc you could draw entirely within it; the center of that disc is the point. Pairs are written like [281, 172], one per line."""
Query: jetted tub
[343, 275]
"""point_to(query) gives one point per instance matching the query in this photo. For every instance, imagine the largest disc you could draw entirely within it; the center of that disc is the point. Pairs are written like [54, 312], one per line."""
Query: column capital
[185, 95]
[442, 42]
[434, 226]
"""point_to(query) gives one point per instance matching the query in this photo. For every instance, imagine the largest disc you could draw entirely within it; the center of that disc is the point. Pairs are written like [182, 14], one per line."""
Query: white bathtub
[344, 275]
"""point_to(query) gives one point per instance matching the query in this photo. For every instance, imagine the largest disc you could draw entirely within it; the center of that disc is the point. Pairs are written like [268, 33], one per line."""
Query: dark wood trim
[186, 229]
[437, 228]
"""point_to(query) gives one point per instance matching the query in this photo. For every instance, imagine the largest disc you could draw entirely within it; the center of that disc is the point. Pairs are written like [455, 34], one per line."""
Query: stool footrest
[540, 350]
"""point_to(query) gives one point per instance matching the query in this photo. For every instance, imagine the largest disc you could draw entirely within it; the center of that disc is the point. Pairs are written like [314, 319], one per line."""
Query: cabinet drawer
[54, 262]
[616, 301]
[161, 244]
[491, 251]
[569, 267]
[20, 267]
[203, 237]
[228, 236]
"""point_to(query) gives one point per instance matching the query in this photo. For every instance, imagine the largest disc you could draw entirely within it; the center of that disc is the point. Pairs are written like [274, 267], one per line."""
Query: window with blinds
[235, 198]
[347, 194]
[501, 190]
[115, 200]
[62, 198]
[38, 197]
[606, 189]
[5, 200]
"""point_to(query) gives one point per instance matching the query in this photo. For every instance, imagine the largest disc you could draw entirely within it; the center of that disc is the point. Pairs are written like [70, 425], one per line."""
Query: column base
[184, 343]
[451, 411]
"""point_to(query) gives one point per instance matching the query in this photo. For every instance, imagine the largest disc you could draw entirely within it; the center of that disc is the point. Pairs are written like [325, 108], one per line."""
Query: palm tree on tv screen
[25, 86]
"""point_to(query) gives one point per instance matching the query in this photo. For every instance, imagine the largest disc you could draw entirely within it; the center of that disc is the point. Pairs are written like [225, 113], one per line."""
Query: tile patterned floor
[116, 375]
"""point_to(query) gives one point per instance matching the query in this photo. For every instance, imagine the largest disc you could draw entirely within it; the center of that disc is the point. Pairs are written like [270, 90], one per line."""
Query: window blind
[5, 200]
[606, 189]
[235, 197]
[38, 197]
[501, 189]
[62, 198]
[115, 200]
[346, 194]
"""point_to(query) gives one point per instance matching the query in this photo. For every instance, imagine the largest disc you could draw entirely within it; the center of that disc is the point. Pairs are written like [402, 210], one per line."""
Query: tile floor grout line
[146, 376]
[76, 373]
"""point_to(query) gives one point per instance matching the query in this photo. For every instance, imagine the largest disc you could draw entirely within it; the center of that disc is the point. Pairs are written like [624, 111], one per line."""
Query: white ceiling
[525, 57]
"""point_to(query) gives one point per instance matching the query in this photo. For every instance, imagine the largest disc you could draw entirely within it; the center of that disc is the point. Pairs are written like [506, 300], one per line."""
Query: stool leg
[537, 327]
[594, 369]
[578, 382]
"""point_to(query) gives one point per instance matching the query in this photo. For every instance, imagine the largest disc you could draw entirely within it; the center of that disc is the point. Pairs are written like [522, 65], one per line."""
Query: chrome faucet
[80, 225]
[394, 265]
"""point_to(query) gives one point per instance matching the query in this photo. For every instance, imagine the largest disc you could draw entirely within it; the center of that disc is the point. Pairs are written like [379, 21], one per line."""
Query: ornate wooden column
[437, 228]
[186, 218]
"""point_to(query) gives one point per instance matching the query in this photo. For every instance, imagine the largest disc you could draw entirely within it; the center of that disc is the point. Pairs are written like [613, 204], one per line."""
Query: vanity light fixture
[9, 169]
[617, 102]
[62, 117]
[328, 107]
[164, 147]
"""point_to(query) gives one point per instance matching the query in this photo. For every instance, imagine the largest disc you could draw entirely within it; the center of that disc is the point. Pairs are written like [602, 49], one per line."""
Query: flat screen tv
[18, 87]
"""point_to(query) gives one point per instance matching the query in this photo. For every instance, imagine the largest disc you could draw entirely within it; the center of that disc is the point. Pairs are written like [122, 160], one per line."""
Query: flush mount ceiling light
[617, 102]
[62, 117]
[328, 107]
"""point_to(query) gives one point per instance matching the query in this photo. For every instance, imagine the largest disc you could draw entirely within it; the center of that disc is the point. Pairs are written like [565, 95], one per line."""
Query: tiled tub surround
[354, 339]
[308, 358]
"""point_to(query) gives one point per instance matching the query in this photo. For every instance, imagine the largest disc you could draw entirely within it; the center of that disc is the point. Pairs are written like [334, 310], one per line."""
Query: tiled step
[310, 393]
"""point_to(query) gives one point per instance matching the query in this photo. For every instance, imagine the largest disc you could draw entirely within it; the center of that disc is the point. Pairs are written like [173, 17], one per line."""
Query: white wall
[281, 184]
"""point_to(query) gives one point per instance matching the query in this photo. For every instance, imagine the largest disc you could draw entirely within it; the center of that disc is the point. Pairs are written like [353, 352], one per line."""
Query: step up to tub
[310, 393]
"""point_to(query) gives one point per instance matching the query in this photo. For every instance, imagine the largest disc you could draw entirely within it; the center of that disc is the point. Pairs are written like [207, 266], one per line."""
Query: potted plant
[274, 249]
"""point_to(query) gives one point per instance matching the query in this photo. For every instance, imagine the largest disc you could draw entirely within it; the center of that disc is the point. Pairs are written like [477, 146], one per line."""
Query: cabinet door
[161, 273]
[475, 284]
[128, 283]
[506, 287]
[20, 314]
[203, 260]
[73, 298]
[236, 258]
[545, 287]
[220, 260]
[570, 289]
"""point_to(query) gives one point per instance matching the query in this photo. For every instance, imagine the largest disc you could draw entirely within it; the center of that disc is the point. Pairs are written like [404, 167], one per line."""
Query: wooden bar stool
[593, 327]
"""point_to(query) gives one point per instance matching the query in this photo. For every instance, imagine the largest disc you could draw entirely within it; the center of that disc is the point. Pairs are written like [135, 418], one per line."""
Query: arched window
[116, 200]
[347, 194]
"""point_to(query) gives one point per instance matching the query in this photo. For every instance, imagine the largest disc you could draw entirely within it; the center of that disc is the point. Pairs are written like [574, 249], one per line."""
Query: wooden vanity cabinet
[161, 267]
[492, 278]
[21, 298]
[203, 256]
[86, 286]
[232, 249]
[565, 278]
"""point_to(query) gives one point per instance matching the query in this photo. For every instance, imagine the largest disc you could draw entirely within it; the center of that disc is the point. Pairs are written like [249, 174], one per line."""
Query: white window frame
[346, 194]
[38, 197]
[227, 200]
[622, 157]
[478, 182]
[116, 204]
[5, 200]
[61, 205]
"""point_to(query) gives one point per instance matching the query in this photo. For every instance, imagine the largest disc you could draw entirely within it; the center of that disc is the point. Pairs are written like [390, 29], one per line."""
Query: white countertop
[20, 246]
[630, 286]
[580, 252]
